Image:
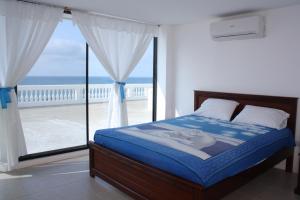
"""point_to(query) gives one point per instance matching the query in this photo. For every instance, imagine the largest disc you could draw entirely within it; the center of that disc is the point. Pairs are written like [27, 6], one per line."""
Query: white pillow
[217, 108]
[263, 116]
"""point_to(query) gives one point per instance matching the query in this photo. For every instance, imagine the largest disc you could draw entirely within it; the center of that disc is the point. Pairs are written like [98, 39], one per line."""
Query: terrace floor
[50, 128]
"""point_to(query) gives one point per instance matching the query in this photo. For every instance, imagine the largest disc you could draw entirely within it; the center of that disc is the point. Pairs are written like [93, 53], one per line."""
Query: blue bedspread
[199, 149]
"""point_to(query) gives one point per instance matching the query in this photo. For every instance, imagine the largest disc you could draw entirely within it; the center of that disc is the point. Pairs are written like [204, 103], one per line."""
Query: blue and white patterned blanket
[202, 150]
[196, 135]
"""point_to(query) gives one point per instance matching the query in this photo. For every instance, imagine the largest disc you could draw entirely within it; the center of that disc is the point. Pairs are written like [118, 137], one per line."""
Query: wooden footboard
[139, 180]
[142, 181]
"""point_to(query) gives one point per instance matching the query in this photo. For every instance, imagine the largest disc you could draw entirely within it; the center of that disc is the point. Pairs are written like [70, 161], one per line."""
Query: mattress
[202, 150]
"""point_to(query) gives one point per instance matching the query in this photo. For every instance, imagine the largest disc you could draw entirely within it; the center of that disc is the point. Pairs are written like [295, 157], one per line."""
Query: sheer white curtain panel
[25, 29]
[119, 45]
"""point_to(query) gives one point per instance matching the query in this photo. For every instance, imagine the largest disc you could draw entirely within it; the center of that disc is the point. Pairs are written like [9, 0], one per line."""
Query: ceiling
[171, 11]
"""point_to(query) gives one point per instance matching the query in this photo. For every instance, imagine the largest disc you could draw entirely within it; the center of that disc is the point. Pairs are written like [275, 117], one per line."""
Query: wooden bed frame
[142, 181]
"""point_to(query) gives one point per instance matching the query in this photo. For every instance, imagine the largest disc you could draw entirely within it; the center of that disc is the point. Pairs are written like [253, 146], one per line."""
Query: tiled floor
[70, 180]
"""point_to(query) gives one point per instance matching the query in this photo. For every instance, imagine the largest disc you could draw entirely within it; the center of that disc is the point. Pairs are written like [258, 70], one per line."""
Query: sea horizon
[67, 80]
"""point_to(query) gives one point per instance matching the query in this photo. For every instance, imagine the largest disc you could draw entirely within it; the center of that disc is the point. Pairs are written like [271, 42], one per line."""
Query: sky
[64, 55]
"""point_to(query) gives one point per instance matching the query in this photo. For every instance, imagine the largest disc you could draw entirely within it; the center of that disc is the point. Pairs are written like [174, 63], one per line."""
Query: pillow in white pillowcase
[263, 116]
[217, 108]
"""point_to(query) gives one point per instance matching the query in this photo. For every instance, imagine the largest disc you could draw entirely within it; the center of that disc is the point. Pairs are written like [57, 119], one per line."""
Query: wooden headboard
[288, 104]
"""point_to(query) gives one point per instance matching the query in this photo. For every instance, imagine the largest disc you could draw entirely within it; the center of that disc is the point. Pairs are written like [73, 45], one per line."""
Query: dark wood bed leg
[92, 174]
[297, 189]
[289, 163]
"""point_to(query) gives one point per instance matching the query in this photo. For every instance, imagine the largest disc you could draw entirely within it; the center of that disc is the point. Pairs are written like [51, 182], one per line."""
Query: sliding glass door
[52, 98]
[63, 100]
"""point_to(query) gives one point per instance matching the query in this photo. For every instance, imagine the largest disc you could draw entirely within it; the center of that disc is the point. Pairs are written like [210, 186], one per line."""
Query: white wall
[268, 66]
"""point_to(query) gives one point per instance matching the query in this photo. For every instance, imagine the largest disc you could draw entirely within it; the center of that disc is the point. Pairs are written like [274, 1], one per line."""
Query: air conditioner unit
[238, 28]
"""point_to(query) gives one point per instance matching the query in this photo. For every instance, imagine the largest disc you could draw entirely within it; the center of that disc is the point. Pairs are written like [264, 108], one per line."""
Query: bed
[146, 169]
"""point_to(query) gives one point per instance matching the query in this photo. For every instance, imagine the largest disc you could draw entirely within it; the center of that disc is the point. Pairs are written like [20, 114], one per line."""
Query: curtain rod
[68, 10]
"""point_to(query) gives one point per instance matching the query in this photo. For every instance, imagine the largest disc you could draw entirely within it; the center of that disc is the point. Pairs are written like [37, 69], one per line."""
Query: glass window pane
[99, 91]
[51, 98]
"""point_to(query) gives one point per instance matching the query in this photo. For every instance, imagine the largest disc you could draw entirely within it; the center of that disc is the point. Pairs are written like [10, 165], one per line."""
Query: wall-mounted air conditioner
[238, 28]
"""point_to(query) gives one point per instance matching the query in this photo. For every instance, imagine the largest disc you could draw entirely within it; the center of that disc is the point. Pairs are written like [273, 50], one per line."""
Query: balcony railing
[51, 95]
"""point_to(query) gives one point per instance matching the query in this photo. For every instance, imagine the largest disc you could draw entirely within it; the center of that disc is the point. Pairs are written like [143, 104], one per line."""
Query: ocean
[67, 80]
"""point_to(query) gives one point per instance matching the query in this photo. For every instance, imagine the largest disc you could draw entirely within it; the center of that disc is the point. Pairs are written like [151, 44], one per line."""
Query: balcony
[54, 116]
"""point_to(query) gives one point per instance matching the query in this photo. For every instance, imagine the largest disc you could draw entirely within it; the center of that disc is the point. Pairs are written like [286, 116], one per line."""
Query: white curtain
[25, 29]
[119, 45]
